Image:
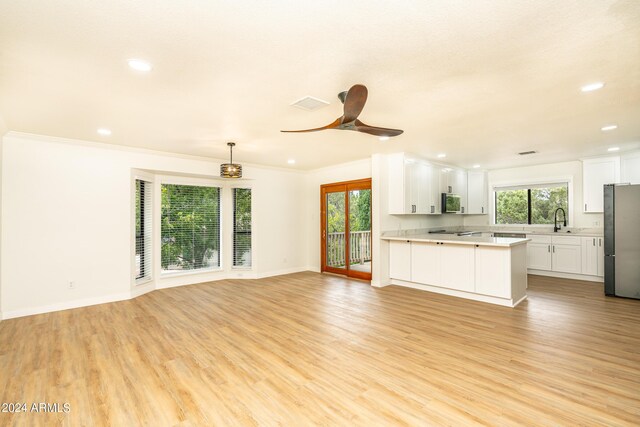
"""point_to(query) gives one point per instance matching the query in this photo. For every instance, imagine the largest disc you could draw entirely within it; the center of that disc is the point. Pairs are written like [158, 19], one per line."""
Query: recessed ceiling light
[613, 149]
[139, 65]
[384, 138]
[609, 127]
[442, 156]
[476, 166]
[291, 161]
[104, 132]
[592, 86]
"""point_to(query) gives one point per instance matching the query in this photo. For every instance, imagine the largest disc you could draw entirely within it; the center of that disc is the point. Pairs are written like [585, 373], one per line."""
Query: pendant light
[231, 170]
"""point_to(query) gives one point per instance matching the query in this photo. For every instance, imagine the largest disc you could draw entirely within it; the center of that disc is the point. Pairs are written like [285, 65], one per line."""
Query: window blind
[143, 229]
[242, 227]
[190, 227]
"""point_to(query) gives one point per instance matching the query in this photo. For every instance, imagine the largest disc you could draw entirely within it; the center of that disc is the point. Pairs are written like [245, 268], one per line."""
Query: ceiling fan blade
[372, 130]
[333, 125]
[354, 103]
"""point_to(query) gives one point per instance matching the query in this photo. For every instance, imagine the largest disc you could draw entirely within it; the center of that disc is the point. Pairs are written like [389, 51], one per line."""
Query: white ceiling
[478, 80]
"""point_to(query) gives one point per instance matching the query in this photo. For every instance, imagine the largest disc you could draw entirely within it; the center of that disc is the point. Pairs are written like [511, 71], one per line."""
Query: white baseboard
[506, 302]
[281, 272]
[86, 302]
[584, 277]
[135, 292]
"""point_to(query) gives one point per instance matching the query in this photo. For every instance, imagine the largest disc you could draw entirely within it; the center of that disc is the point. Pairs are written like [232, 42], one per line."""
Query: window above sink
[533, 204]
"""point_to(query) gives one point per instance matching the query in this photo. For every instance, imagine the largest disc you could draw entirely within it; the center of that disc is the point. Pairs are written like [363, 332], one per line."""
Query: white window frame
[495, 186]
[248, 186]
[140, 175]
[202, 182]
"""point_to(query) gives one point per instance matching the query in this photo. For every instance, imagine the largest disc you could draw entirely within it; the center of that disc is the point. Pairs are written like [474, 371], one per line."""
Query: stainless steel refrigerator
[622, 240]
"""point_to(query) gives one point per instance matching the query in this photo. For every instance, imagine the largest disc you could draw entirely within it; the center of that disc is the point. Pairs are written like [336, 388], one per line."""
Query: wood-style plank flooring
[309, 349]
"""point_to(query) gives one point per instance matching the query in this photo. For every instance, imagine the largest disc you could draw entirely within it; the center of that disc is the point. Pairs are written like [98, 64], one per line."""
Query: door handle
[599, 242]
[554, 249]
[549, 248]
[585, 207]
[594, 241]
[483, 209]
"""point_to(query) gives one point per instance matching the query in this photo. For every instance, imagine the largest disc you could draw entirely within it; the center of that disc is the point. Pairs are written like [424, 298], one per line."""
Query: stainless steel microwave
[450, 203]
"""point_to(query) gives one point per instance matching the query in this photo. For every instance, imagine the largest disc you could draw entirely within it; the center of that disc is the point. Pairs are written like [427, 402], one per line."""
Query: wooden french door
[345, 212]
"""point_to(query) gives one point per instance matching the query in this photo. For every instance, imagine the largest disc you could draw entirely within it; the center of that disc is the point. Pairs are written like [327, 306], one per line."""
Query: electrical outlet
[596, 223]
[72, 284]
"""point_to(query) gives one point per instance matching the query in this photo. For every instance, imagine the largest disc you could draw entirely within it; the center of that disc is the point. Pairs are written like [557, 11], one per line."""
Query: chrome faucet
[556, 228]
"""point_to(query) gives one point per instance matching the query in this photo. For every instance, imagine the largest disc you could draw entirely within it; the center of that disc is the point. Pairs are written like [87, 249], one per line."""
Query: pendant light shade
[231, 170]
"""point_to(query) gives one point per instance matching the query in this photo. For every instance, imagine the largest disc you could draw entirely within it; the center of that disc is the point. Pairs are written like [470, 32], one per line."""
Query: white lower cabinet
[425, 263]
[484, 270]
[458, 265]
[566, 254]
[566, 258]
[539, 254]
[593, 256]
[493, 277]
[400, 260]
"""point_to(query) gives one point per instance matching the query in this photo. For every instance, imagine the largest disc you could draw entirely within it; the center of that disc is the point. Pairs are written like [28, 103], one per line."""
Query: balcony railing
[359, 248]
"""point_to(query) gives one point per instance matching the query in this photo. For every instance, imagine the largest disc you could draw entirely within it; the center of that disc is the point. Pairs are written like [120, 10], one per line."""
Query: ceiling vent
[309, 103]
[526, 153]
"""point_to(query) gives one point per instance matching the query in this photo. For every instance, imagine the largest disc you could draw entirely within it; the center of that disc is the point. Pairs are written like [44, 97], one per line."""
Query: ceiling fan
[353, 100]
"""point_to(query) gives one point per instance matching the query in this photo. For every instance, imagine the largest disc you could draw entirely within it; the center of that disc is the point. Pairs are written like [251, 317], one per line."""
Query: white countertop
[461, 240]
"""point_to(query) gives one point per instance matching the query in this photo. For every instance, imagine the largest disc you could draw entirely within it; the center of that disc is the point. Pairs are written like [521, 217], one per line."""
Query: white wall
[67, 216]
[540, 173]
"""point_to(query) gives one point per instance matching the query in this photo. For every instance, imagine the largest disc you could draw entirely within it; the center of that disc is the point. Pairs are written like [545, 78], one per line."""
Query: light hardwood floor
[307, 349]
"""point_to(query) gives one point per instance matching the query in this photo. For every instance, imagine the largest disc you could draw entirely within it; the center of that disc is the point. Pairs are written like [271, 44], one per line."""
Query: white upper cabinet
[595, 174]
[455, 181]
[416, 186]
[413, 185]
[477, 193]
[630, 168]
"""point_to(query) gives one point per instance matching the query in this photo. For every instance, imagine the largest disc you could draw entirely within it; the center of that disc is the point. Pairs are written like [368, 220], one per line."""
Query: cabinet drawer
[535, 238]
[566, 240]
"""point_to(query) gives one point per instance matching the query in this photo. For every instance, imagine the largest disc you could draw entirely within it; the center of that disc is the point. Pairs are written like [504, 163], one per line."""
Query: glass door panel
[360, 231]
[336, 243]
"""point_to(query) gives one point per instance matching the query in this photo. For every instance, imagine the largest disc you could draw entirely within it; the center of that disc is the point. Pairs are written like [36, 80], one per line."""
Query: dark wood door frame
[346, 186]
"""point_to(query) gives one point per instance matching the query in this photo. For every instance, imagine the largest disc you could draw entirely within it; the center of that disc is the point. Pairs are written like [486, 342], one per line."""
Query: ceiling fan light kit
[354, 100]
[231, 170]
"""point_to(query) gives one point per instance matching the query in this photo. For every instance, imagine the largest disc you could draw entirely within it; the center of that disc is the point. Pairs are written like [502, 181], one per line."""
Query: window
[530, 204]
[190, 228]
[143, 229]
[242, 227]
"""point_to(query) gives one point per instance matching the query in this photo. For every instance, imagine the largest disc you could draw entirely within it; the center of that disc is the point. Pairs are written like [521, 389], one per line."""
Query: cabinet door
[421, 177]
[477, 200]
[425, 263]
[566, 258]
[539, 256]
[433, 190]
[398, 193]
[590, 256]
[458, 267]
[461, 189]
[630, 168]
[595, 174]
[492, 271]
[400, 260]
[411, 173]
[600, 241]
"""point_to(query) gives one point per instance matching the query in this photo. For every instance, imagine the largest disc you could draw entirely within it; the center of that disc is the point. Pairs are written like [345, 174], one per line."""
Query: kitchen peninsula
[478, 267]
